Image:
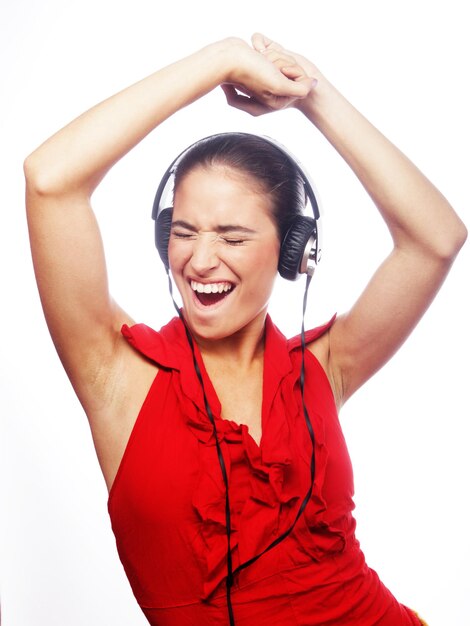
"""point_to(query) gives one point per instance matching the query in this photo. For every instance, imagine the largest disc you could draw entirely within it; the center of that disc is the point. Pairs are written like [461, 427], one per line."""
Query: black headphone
[300, 250]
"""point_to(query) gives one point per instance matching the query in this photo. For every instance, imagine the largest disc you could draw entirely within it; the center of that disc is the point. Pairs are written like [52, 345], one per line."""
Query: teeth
[210, 287]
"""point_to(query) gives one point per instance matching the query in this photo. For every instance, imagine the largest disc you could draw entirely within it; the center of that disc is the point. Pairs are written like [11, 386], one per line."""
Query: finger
[244, 103]
[286, 64]
[279, 56]
[264, 44]
[267, 102]
[288, 88]
[304, 85]
[294, 72]
[291, 70]
[260, 42]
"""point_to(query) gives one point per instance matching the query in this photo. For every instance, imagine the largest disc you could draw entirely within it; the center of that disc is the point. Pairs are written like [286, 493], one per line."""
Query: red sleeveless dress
[167, 503]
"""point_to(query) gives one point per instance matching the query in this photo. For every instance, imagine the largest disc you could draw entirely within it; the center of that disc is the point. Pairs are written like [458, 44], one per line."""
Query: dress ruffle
[279, 475]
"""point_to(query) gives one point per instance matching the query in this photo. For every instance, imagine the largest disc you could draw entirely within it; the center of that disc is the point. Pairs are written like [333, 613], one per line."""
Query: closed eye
[181, 235]
[233, 242]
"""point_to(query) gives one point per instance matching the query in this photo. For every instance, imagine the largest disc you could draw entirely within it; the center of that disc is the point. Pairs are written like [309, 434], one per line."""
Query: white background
[405, 65]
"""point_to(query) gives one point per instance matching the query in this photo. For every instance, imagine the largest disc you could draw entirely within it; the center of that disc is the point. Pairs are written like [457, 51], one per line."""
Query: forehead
[221, 193]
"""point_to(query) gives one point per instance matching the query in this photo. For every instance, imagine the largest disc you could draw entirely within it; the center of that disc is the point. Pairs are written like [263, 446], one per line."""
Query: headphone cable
[230, 571]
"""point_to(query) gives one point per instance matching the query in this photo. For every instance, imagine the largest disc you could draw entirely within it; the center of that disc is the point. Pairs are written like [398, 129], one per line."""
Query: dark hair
[258, 158]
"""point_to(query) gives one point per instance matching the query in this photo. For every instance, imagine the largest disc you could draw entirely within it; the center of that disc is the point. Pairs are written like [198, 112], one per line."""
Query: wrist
[223, 58]
[317, 99]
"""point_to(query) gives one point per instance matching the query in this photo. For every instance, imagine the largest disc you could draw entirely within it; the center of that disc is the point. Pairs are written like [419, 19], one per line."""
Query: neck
[241, 349]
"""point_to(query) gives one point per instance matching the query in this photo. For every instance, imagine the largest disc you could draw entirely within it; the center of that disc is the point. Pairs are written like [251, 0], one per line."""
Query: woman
[168, 499]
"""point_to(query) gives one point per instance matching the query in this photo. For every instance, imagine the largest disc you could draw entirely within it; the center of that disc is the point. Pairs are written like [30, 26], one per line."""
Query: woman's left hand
[289, 65]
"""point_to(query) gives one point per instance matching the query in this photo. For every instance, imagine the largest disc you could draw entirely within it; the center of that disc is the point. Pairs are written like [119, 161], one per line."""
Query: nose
[204, 254]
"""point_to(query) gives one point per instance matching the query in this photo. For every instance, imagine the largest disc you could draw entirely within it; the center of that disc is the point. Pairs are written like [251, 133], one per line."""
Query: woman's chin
[217, 327]
[208, 327]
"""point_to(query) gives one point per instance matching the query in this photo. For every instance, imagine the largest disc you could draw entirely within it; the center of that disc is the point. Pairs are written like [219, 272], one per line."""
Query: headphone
[300, 249]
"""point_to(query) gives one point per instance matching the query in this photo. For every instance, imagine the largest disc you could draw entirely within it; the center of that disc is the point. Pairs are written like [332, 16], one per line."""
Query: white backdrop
[405, 65]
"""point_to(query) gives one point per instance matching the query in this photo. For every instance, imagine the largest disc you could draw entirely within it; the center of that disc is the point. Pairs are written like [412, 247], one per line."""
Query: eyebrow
[223, 228]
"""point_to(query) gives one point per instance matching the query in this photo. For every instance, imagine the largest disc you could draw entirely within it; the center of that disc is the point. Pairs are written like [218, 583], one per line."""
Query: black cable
[306, 499]
[230, 572]
[229, 579]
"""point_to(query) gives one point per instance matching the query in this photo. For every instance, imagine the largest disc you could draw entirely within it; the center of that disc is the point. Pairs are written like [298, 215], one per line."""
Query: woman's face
[223, 251]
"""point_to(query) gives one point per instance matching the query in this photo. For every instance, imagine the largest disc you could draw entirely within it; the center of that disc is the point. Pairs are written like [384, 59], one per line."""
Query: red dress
[167, 501]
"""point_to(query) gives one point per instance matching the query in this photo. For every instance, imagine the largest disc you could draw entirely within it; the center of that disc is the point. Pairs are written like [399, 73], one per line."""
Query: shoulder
[281, 353]
[311, 336]
[317, 341]
[164, 347]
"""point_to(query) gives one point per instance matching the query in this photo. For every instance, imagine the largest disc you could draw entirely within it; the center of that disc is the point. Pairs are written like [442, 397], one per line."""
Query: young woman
[191, 553]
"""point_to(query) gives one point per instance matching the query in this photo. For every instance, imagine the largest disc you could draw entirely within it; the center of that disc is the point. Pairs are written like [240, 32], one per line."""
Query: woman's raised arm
[427, 234]
[62, 174]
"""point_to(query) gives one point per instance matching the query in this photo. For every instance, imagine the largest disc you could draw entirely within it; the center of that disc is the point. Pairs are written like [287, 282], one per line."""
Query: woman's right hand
[265, 77]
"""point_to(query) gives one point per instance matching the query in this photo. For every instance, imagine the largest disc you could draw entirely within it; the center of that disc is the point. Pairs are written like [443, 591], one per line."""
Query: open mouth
[211, 293]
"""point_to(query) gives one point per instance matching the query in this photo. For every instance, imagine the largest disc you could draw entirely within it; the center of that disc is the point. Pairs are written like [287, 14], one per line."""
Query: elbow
[49, 179]
[28, 168]
[36, 178]
[440, 242]
[40, 181]
[463, 234]
[453, 240]
[446, 235]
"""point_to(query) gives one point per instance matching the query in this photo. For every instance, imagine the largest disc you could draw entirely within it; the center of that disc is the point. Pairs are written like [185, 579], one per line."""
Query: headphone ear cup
[294, 245]
[162, 234]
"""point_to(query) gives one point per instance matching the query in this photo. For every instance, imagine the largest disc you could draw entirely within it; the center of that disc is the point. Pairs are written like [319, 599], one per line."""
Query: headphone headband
[300, 250]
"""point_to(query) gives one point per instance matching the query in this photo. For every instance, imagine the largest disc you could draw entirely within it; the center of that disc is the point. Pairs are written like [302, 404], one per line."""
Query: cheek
[178, 254]
[268, 255]
[171, 254]
[264, 262]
